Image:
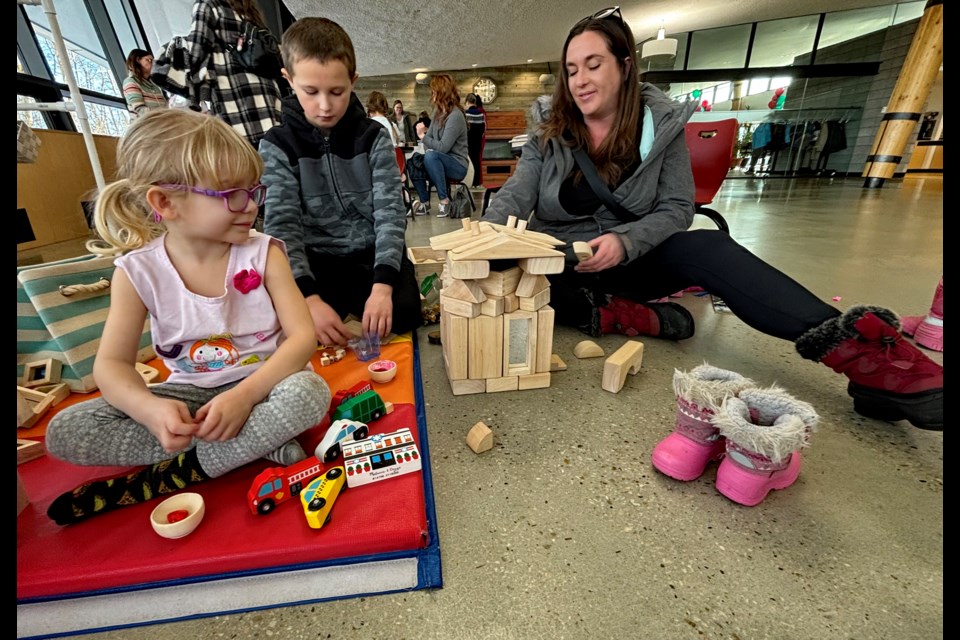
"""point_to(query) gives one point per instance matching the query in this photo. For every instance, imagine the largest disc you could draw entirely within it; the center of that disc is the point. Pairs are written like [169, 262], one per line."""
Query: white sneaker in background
[442, 210]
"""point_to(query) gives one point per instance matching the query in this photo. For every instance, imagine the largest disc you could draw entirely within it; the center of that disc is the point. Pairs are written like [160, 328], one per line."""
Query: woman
[634, 136]
[476, 133]
[141, 93]
[405, 123]
[377, 110]
[247, 102]
[444, 143]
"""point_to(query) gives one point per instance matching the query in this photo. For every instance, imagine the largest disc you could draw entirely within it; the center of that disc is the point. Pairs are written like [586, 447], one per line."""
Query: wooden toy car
[278, 484]
[319, 496]
[329, 448]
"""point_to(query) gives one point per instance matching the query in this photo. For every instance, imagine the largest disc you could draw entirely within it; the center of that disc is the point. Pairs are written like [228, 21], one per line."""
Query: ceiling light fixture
[662, 46]
[548, 77]
[422, 78]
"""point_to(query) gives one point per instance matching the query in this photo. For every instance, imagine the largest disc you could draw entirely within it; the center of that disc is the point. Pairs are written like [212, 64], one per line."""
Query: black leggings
[345, 282]
[763, 297]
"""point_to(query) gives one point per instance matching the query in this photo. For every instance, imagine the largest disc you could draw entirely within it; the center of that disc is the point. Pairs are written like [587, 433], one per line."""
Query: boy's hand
[223, 417]
[171, 424]
[378, 311]
[327, 323]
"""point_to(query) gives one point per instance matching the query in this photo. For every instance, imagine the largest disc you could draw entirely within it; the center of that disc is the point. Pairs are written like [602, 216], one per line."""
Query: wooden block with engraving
[480, 438]
[625, 360]
[485, 353]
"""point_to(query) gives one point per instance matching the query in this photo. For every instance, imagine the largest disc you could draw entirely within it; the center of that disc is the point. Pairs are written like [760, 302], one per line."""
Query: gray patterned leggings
[96, 433]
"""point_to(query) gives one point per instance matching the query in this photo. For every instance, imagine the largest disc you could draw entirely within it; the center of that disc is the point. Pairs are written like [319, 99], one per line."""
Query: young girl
[226, 316]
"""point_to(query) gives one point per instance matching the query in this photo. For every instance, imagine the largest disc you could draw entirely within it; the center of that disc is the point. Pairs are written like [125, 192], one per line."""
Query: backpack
[461, 205]
[257, 51]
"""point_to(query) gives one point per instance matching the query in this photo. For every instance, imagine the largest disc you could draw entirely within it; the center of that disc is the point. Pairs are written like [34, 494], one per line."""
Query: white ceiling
[404, 36]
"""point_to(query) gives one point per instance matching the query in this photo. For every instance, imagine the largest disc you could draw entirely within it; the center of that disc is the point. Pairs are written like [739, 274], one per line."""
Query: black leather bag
[257, 51]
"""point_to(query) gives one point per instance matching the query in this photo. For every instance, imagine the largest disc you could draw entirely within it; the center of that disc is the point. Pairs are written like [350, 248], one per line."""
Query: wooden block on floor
[519, 343]
[545, 318]
[587, 349]
[28, 450]
[59, 391]
[485, 352]
[556, 364]
[480, 438]
[468, 387]
[501, 283]
[41, 372]
[535, 302]
[459, 307]
[454, 334]
[465, 290]
[531, 284]
[22, 498]
[552, 264]
[24, 410]
[626, 359]
[534, 381]
[507, 383]
[492, 306]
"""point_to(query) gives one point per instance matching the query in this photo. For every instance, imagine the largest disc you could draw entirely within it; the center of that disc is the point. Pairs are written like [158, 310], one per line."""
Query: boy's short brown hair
[317, 39]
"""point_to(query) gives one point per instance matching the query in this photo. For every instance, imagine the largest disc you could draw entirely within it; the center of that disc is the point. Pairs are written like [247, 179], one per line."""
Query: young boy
[334, 193]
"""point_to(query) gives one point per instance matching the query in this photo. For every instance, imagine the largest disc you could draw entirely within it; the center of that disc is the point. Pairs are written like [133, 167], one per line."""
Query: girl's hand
[223, 417]
[378, 311]
[608, 252]
[171, 424]
[327, 323]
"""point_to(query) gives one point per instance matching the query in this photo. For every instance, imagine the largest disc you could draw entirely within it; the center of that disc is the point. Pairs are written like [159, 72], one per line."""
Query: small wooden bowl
[382, 370]
[192, 503]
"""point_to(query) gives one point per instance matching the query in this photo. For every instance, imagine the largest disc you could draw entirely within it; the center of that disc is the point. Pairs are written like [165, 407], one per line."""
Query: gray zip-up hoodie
[660, 192]
[451, 138]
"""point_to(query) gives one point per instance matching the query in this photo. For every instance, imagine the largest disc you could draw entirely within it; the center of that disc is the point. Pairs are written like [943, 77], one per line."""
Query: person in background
[333, 192]
[444, 143]
[476, 134]
[225, 316]
[424, 119]
[141, 93]
[377, 110]
[247, 102]
[633, 135]
[405, 122]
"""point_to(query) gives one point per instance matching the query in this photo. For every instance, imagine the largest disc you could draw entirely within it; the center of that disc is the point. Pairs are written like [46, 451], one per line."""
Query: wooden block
[485, 352]
[508, 383]
[25, 415]
[468, 269]
[552, 264]
[480, 438]
[582, 250]
[501, 283]
[626, 359]
[510, 303]
[59, 391]
[453, 337]
[466, 290]
[587, 349]
[459, 307]
[149, 374]
[28, 450]
[22, 498]
[38, 404]
[534, 381]
[556, 364]
[531, 284]
[426, 261]
[468, 387]
[492, 306]
[519, 343]
[41, 372]
[545, 318]
[535, 302]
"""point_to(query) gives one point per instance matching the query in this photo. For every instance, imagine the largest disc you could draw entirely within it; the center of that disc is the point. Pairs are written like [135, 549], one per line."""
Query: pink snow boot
[927, 330]
[765, 430]
[685, 453]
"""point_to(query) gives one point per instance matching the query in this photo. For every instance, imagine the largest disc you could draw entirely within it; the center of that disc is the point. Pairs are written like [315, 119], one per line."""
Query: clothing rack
[76, 99]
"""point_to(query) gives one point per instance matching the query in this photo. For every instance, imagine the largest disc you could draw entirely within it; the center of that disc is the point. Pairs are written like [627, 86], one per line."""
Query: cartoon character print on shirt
[210, 354]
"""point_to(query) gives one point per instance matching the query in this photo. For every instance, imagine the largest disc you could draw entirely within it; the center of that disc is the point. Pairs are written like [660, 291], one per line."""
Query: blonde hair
[167, 146]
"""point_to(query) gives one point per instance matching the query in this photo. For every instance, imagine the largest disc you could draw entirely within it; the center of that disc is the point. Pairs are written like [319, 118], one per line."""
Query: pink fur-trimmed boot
[765, 430]
[927, 330]
[685, 453]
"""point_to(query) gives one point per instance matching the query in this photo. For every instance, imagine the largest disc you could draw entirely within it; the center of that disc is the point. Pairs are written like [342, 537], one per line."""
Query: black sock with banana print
[101, 496]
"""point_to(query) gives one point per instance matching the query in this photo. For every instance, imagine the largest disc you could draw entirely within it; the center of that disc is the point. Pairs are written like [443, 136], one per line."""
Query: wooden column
[909, 95]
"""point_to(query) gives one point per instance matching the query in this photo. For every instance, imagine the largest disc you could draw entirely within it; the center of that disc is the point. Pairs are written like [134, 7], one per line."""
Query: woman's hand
[327, 323]
[608, 252]
[378, 311]
[421, 130]
[223, 417]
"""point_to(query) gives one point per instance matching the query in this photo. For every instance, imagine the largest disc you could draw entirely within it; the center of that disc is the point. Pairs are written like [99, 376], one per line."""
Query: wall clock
[486, 89]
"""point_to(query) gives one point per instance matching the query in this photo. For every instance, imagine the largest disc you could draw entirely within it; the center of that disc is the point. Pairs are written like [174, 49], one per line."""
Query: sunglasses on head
[609, 12]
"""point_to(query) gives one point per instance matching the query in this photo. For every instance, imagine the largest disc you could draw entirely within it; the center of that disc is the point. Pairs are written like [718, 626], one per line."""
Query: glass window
[723, 92]
[854, 36]
[34, 119]
[758, 85]
[84, 50]
[164, 20]
[724, 48]
[121, 21]
[105, 120]
[781, 43]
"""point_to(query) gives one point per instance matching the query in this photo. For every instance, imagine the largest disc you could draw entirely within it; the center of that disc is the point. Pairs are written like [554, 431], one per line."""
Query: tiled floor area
[564, 529]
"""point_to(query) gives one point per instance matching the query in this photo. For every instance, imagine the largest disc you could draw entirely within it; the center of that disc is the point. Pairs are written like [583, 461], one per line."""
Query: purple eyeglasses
[236, 200]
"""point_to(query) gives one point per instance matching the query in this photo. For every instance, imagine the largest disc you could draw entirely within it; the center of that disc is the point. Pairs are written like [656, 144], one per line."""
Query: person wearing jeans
[445, 145]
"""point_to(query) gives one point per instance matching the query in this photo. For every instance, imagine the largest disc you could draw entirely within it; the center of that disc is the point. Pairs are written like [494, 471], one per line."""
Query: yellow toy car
[318, 497]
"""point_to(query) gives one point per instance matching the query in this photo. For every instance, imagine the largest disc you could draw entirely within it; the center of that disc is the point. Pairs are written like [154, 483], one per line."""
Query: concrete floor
[565, 530]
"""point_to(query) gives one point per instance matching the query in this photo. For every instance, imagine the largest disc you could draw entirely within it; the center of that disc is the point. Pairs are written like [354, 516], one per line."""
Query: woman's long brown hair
[619, 148]
[248, 9]
[444, 96]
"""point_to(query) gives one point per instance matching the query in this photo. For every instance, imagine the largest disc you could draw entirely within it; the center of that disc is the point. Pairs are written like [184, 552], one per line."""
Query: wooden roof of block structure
[479, 240]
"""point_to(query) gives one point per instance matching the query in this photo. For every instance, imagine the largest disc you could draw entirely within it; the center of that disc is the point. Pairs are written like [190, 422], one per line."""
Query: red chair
[711, 148]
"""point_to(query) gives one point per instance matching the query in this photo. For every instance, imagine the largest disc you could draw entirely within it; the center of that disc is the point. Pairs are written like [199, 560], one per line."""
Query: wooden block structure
[480, 438]
[626, 359]
[496, 326]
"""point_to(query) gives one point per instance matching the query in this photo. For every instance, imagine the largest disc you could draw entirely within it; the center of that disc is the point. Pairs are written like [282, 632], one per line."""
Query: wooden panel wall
[52, 188]
[517, 87]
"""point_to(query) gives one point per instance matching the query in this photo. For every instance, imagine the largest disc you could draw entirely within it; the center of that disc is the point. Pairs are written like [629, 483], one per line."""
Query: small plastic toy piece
[380, 456]
[480, 438]
[329, 448]
[319, 496]
[329, 355]
[277, 484]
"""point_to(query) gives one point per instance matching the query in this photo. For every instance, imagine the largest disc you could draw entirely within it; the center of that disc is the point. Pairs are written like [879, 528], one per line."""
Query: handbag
[61, 309]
